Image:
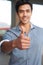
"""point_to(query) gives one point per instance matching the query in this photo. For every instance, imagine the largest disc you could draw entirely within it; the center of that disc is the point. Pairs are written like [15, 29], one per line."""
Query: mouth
[25, 18]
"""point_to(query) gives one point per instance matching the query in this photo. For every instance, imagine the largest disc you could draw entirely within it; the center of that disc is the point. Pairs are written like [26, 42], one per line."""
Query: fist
[23, 42]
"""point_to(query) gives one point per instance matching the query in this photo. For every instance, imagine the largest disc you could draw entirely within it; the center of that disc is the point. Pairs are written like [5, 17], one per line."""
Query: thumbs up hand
[22, 42]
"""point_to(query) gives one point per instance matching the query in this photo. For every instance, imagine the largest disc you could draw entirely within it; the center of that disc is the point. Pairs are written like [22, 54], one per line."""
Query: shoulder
[38, 28]
[38, 31]
[13, 29]
[11, 33]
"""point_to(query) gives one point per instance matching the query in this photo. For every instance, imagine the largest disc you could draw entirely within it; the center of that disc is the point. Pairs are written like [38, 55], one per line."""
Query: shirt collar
[32, 27]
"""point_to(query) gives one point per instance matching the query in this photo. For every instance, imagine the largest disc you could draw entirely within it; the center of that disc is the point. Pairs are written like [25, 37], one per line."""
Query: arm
[21, 42]
[8, 46]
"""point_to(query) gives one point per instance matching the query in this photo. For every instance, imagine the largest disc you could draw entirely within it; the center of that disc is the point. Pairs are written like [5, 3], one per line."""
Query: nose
[25, 14]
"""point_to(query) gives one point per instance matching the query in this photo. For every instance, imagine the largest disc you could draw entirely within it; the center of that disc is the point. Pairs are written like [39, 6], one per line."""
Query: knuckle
[21, 40]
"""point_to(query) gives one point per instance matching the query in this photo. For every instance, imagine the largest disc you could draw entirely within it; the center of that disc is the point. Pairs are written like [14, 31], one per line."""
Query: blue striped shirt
[30, 56]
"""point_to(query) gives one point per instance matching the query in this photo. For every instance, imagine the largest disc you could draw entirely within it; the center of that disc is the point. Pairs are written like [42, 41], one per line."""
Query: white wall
[37, 15]
[5, 14]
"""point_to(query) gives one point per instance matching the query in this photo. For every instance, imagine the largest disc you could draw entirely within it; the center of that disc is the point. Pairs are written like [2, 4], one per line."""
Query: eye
[27, 11]
[20, 11]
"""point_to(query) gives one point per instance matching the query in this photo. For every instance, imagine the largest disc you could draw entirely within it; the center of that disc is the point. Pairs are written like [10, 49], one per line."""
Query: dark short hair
[22, 2]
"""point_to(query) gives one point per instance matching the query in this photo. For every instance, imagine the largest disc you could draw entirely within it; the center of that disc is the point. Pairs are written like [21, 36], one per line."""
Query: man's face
[24, 13]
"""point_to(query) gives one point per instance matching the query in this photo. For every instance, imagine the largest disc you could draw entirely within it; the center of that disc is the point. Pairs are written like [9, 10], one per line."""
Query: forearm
[8, 46]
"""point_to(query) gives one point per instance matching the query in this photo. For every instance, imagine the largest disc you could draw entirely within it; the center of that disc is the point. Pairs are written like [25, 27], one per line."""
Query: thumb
[22, 30]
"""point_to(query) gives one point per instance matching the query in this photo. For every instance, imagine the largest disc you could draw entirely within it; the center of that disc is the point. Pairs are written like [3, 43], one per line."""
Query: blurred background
[9, 18]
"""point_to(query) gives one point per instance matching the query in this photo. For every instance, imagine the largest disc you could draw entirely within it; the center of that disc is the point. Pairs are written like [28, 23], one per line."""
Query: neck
[26, 27]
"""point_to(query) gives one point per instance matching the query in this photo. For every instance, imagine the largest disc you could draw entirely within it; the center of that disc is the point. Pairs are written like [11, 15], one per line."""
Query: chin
[25, 22]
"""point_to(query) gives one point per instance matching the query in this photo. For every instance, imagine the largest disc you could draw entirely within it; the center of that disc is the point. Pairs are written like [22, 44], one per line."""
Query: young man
[24, 41]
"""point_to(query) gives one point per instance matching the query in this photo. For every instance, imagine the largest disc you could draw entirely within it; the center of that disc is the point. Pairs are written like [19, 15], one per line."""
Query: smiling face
[24, 13]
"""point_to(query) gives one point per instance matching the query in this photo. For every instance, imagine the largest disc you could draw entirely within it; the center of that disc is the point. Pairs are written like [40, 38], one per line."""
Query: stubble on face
[24, 13]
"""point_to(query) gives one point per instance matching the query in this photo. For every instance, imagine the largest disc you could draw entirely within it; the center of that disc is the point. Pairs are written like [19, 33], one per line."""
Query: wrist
[13, 42]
